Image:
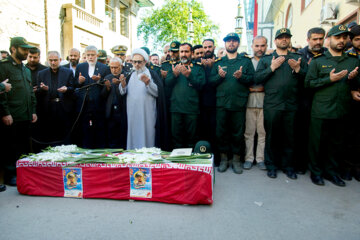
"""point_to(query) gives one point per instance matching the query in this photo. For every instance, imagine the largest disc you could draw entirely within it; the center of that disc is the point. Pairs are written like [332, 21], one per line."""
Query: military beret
[20, 42]
[119, 49]
[174, 46]
[282, 31]
[234, 36]
[337, 30]
[102, 55]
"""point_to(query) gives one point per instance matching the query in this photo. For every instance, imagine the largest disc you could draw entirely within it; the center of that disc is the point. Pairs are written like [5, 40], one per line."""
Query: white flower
[49, 156]
[65, 148]
[148, 150]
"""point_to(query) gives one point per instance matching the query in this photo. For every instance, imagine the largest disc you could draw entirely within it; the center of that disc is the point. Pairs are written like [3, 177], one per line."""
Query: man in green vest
[232, 75]
[331, 75]
[17, 107]
[281, 74]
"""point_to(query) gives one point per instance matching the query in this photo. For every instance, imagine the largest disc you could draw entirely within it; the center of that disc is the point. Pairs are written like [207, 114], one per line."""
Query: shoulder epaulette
[166, 61]
[218, 59]
[198, 63]
[4, 60]
[318, 55]
[245, 55]
[352, 54]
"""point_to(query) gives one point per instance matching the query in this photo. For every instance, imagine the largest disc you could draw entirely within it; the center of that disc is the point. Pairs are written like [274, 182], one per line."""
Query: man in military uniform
[186, 80]
[120, 52]
[17, 107]
[232, 74]
[315, 39]
[281, 73]
[330, 75]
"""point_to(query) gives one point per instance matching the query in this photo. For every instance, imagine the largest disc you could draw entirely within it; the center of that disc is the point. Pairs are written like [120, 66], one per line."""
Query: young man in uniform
[232, 74]
[281, 73]
[330, 75]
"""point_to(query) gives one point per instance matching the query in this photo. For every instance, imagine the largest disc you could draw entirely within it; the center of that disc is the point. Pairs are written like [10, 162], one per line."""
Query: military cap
[102, 55]
[337, 30]
[202, 147]
[352, 24]
[119, 49]
[20, 42]
[174, 46]
[282, 31]
[146, 50]
[232, 36]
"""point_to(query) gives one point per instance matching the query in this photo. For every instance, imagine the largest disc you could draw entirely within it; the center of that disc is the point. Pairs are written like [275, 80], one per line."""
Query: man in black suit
[55, 101]
[115, 107]
[74, 57]
[89, 78]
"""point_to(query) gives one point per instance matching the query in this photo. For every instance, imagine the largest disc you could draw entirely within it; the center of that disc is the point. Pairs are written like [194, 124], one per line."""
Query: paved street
[247, 206]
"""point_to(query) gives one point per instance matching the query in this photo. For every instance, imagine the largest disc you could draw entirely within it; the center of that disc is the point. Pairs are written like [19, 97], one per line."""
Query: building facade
[63, 24]
[301, 15]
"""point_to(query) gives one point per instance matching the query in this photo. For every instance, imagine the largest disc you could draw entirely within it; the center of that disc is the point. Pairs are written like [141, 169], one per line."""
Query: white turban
[140, 52]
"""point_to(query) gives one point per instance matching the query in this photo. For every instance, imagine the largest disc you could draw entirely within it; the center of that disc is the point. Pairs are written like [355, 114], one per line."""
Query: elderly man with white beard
[145, 105]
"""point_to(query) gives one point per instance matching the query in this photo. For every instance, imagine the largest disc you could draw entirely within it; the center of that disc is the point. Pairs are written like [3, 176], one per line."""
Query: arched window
[289, 16]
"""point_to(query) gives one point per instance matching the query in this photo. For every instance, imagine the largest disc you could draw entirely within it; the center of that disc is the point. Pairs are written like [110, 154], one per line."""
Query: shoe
[236, 164]
[2, 187]
[291, 174]
[336, 180]
[272, 173]
[224, 163]
[317, 179]
[346, 176]
[11, 181]
[247, 165]
[261, 165]
[357, 176]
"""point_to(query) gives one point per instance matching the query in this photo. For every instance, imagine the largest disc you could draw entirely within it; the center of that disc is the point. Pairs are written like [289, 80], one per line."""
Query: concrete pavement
[246, 206]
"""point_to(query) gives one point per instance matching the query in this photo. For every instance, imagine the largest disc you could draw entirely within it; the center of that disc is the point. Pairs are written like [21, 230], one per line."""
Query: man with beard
[114, 112]
[254, 112]
[351, 166]
[330, 75]
[281, 73]
[55, 101]
[232, 75]
[207, 118]
[315, 39]
[198, 52]
[186, 80]
[17, 107]
[145, 105]
[33, 63]
[167, 52]
[74, 58]
[88, 78]
[154, 58]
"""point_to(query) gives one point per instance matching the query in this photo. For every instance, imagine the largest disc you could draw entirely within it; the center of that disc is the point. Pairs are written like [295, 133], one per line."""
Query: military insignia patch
[202, 149]
[283, 30]
[342, 28]
[173, 45]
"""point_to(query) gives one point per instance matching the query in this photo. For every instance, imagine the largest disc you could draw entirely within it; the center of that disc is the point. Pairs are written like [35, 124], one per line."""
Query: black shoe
[11, 181]
[2, 187]
[317, 180]
[291, 174]
[336, 180]
[346, 176]
[272, 173]
[357, 176]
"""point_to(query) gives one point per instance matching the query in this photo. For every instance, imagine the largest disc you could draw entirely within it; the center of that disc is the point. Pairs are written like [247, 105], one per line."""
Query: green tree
[170, 22]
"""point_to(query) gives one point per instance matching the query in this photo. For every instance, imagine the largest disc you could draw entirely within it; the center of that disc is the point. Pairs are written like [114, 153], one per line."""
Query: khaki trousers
[254, 123]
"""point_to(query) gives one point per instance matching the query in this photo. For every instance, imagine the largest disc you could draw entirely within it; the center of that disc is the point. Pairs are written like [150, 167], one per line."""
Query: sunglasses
[137, 62]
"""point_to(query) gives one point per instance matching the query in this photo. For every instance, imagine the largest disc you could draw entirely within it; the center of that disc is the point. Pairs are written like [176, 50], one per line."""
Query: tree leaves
[170, 22]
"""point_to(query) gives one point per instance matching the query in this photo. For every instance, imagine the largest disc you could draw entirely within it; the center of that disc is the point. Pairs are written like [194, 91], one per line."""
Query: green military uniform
[231, 100]
[184, 106]
[280, 105]
[20, 103]
[330, 106]
[167, 66]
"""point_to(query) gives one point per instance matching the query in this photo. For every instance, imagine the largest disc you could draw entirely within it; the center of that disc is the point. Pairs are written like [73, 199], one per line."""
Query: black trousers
[279, 145]
[15, 141]
[93, 130]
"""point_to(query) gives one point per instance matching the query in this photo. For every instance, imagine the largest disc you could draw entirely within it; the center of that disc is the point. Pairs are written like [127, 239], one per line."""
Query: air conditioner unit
[353, 1]
[328, 12]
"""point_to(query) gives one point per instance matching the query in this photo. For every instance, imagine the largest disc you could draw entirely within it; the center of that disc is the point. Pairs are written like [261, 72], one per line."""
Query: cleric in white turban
[145, 105]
